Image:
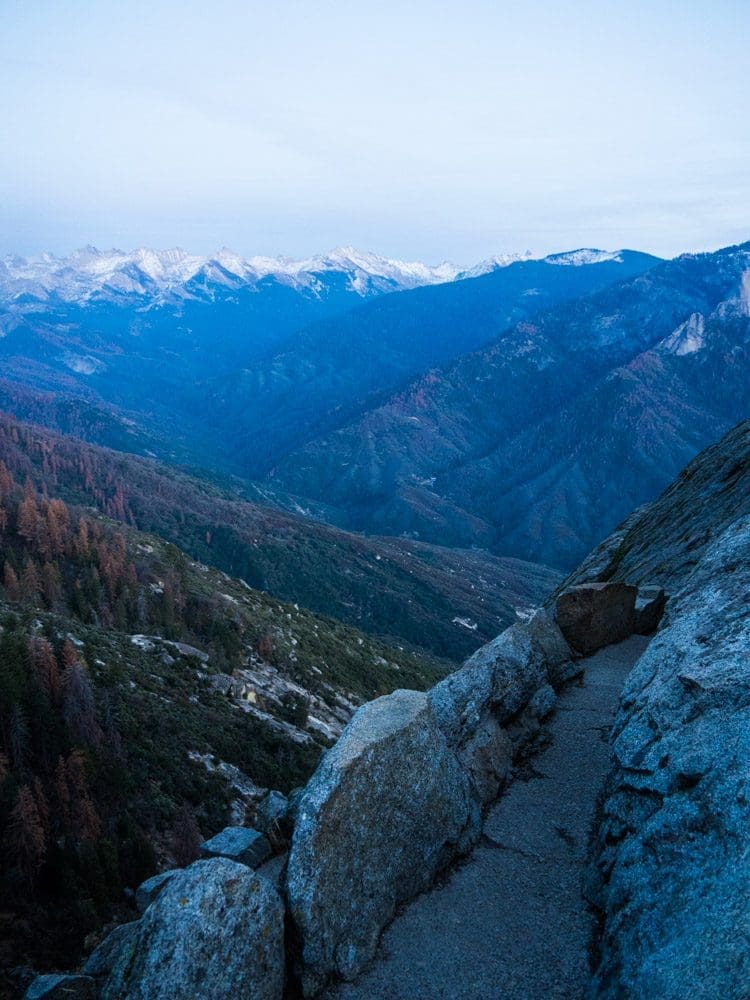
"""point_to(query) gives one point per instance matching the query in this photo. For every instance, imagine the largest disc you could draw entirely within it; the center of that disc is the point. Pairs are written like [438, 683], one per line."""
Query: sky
[418, 130]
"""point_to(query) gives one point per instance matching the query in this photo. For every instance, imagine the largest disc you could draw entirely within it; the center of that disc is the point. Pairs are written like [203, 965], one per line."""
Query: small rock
[275, 870]
[271, 809]
[239, 843]
[147, 891]
[541, 703]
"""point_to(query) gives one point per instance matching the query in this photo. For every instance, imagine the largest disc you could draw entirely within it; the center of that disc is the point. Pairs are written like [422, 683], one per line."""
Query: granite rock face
[216, 931]
[387, 808]
[672, 859]
[594, 615]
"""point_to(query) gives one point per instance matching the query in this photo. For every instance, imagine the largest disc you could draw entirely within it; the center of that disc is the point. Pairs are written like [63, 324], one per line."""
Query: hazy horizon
[433, 133]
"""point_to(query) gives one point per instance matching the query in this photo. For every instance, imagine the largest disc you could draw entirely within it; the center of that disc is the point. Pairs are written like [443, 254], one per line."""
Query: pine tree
[51, 585]
[25, 836]
[31, 585]
[45, 667]
[79, 705]
[10, 583]
[85, 824]
[18, 738]
[27, 517]
[6, 481]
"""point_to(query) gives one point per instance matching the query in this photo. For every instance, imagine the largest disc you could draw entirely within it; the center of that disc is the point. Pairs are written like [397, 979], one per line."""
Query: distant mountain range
[175, 274]
[540, 442]
[237, 376]
[523, 406]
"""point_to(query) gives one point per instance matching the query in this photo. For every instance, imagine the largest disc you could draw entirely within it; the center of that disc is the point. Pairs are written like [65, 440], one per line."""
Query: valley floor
[511, 923]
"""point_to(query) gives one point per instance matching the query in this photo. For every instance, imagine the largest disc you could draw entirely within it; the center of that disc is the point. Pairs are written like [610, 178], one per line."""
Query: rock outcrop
[673, 862]
[215, 931]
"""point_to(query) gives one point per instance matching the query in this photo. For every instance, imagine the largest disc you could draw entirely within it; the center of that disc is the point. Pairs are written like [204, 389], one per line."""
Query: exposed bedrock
[673, 867]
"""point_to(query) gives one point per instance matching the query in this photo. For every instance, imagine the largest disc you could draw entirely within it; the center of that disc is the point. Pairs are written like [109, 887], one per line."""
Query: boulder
[546, 636]
[594, 615]
[387, 808]
[61, 987]
[271, 810]
[216, 931]
[102, 959]
[519, 666]
[487, 757]
[462, 698]
[147, 891]
[649, 609]
[238, 843]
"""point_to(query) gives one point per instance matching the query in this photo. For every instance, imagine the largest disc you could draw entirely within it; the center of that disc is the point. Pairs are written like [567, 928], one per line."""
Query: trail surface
[511, 923]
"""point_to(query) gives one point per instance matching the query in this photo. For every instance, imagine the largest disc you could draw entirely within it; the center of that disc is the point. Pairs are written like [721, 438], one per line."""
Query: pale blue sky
[416, 129]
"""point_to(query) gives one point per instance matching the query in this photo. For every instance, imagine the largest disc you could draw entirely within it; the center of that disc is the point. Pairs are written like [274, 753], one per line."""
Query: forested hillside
[389, 587]
[145, 701]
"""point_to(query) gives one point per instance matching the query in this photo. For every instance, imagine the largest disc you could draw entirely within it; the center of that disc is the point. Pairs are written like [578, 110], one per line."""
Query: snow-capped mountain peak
[586, 255]
[176, 274]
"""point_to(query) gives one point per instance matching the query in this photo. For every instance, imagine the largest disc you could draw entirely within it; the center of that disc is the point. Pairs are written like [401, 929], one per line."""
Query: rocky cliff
[672, 875]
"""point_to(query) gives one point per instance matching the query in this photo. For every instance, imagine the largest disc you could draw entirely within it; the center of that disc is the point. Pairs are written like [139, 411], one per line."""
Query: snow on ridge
[143, 271]
[496, 262]
[175, 273]
[586, 255]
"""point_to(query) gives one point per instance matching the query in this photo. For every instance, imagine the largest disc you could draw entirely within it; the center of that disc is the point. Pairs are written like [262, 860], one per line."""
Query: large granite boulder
[388, 806]
[545, 636]
[216, 931]
[594, 615]
[673, 860]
